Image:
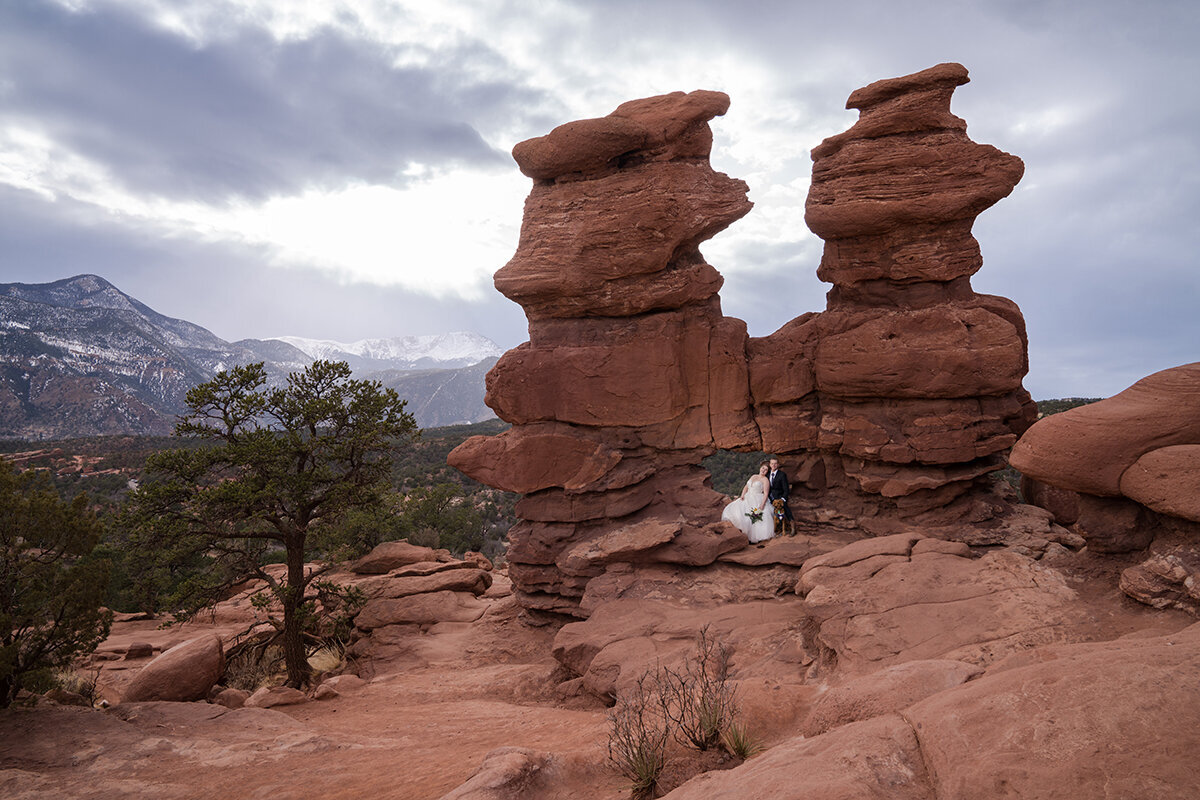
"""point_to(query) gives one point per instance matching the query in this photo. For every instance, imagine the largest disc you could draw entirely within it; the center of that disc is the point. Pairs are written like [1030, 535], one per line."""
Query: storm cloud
[342, 170]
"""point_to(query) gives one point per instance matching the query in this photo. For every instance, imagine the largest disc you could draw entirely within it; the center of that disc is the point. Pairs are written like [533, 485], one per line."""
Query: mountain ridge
[80, 357]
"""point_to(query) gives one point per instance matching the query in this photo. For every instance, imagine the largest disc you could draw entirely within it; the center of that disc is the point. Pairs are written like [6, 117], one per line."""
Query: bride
[748, 513]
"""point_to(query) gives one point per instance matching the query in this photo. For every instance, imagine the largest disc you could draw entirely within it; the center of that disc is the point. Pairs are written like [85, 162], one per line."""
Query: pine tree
[51, 589]
[275, 468]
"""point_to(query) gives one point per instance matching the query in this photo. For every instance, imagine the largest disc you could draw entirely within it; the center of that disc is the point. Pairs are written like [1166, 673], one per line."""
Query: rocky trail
[435, 704]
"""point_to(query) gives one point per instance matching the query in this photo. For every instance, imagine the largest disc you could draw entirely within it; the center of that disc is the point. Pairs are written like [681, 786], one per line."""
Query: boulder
[345, 683]
[271, 696]
[138, 650]
[1166, 480]
[325, 692]
[1089, 448]
[231, 698]
[1170, 575]
[185, 672]
[479, 560]
[623, 544]
[388, 556]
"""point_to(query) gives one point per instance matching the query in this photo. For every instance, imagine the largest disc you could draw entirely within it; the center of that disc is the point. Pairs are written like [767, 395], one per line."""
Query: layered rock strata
[907, 389]
[895, 402]
[631, 373]
[1124, 474]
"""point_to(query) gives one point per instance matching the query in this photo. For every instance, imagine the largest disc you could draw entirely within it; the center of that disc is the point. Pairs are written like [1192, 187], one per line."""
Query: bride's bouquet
[755, 515]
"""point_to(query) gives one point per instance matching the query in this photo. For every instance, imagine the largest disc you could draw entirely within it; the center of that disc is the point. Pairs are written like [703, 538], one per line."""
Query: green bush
[51, 584]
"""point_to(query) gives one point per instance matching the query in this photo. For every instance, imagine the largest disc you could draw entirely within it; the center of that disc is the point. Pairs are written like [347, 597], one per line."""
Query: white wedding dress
[737, 513]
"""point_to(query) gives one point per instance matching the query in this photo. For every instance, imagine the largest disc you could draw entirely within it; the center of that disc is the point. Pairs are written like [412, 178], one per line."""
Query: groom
[779, 488]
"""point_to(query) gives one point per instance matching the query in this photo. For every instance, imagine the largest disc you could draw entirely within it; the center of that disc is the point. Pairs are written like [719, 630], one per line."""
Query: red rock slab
[699, 547]
[1088, 449]
[686, 280]
[1107, 719]
[626, 638]
[475, 581]
[685, 587]
[731, 420]
[653, 371]
[791, 551]
[899, 544]
[668, 116]
[1166, 480]
[672, 375]
[547, 578]
[890, 609]
[559, 505]
[903, 480]
[623, 544]
[884, 692]
[541, 542]
[789, 427]
[1165, 580]
[585, 145]
[512, 773]
[429, 568]
[947, 351]
[526, 461]
[272, 696]
[878, 759]
[422, 609]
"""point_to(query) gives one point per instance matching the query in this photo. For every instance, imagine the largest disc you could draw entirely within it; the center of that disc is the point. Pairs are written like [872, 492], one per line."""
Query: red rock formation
[898, 400]
[631, 372]
[185, 672]
[1123, 473]
[912, 386]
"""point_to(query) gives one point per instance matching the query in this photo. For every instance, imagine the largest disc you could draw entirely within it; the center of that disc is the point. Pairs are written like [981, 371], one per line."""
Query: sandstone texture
[1124, 473]
[896, 402]
[886, 605]
[1107, 719]
[886, 691]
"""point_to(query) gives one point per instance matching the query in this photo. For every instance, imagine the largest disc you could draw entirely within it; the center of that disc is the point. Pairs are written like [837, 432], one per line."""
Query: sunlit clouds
[342, 169]
[443, 232]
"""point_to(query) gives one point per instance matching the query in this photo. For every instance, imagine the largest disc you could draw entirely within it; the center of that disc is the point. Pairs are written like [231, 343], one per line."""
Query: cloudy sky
[341, 169]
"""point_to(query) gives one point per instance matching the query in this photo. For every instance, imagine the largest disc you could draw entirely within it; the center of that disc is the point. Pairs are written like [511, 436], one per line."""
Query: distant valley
[78, 357]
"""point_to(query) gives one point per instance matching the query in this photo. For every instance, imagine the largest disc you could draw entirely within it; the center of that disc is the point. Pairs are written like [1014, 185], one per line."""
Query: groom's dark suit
[779, 490]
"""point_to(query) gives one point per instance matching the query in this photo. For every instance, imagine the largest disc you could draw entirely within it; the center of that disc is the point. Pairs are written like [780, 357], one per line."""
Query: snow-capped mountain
[441, 351]
[78, 357]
